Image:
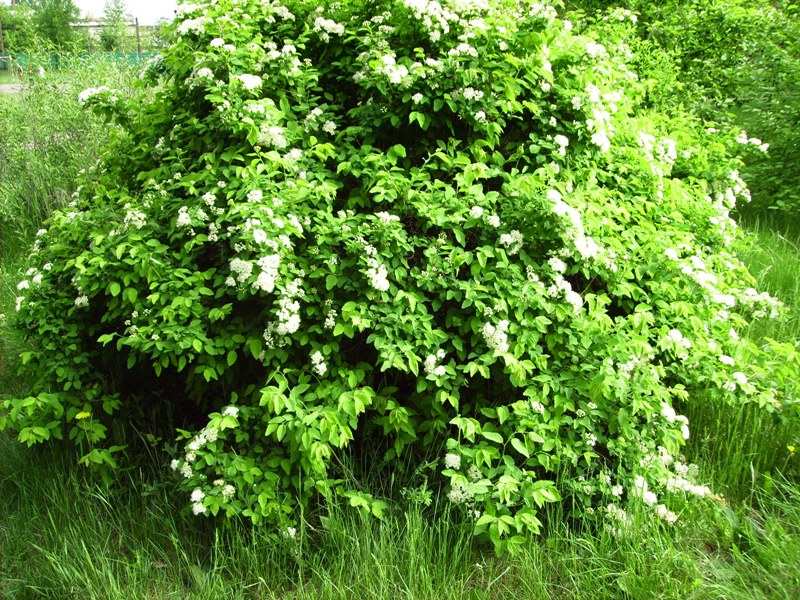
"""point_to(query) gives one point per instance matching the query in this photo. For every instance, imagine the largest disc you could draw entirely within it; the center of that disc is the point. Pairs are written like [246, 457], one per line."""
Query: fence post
[138, 40]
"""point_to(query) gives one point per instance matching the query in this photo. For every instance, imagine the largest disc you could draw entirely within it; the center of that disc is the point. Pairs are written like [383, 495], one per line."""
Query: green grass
[64, 537]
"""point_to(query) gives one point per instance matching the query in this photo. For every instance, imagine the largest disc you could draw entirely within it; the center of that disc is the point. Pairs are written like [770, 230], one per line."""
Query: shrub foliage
[397, 225]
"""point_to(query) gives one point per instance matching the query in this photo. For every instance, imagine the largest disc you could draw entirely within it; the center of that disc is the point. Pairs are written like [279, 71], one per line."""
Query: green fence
[61, 61]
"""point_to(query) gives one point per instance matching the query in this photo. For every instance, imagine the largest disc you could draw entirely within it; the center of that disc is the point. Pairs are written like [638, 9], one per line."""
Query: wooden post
[2, 41]
[138, 40]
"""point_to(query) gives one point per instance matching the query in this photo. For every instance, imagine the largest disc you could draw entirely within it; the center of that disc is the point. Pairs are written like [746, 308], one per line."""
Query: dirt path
[10, 88]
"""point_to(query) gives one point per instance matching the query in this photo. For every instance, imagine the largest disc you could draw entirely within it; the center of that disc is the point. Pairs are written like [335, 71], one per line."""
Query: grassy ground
[64, 537]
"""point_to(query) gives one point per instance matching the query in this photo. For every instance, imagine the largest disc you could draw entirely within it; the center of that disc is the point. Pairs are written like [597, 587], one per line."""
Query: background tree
[19, 32]
[53, 20]
[113, 34]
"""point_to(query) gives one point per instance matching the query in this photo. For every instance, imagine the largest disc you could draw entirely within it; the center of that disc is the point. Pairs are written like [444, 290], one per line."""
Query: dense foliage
[738, 62]
[389, 231]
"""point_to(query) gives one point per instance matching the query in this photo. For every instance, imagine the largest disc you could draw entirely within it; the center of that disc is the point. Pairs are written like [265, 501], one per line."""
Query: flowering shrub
[429, 222]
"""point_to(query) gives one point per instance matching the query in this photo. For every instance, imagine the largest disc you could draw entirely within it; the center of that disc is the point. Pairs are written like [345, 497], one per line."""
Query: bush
[333, 230]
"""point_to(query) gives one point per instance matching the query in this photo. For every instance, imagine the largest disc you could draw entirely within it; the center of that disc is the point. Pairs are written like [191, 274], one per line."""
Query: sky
[147, 11]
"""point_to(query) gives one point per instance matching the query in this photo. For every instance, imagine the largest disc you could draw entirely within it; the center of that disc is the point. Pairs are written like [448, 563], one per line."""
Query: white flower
[476, 212]
[250, 82]
[242, 268]
[183, 220]
[496, 337]
[23, 285]
[727, 360]
[666, 514]
[452, 461]
[199, 509]
[668, 412]
[290, 533]
[318, 363]
[378, 275]
[512, 241]
[432, 366]
[329, 127]
[417, 98]
[197, 495]
[216, 43]
[82, 301]
[386, 217]
[493, 220]
[231, 411]
[228, 491]
[558, 265]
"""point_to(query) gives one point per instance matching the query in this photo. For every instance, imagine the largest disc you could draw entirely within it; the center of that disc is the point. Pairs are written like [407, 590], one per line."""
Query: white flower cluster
[641, 490]
[289, 309]
[318, 363]
[272, 135]
[512, 242]
[681, 343]
[670, 415]
[434, 17]
[250, 82]
[325, 27]
[459, 494]
[386, 217]
[737, 380]
[242, 269]
[452, 461]
[89, 93]
[197, 25]
[544, 12]
[602, 106]
[562, 142]
[681, 484]
[377, 272]
[594, 49]
[134, 217]
[584, 245]
[183, 219]
[432, 366]
[268, 276]
[388, 67]
[744, 140]
[198, 508]
[619, 520]
[562, 286]
[227, 490]
[496, 337]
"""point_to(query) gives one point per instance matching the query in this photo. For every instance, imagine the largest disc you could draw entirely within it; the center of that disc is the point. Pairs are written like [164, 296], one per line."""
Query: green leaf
[520, 447]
